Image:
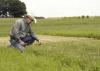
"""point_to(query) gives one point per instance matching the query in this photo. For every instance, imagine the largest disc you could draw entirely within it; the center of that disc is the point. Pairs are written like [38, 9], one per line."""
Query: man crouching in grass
[21, 33]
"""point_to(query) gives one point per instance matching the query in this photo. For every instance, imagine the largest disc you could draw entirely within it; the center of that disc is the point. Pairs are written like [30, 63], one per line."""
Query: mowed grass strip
[75, 26]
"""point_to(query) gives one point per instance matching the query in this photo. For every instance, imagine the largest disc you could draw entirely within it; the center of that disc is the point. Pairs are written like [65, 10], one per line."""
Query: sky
[62, 8]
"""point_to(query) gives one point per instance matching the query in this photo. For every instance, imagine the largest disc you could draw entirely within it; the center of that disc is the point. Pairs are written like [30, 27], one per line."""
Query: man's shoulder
[19, 21]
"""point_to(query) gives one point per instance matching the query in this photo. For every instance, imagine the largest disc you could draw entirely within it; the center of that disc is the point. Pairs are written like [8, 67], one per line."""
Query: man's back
[20, 28]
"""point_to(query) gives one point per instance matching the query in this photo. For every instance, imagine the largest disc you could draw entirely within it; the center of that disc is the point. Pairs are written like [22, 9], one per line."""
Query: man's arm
[33, 35]
[16, 31]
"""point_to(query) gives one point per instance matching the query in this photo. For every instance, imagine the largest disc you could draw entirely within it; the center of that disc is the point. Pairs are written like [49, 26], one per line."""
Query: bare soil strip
[47, 38]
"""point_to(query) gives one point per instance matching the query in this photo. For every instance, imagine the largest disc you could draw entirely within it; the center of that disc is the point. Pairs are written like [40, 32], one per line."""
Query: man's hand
[39, 43]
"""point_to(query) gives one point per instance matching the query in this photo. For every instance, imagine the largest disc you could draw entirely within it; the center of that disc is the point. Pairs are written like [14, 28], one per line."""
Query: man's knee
[20, 47]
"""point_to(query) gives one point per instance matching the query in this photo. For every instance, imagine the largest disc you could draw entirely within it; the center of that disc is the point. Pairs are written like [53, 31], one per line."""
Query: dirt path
[47, 38]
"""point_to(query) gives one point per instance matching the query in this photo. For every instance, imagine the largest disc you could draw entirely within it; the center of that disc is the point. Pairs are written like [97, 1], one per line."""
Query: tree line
[12, 8]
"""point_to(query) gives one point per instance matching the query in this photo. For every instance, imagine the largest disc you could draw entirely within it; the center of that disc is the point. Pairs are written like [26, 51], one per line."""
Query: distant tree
[13, 8]
[3, 7]
[83, 16]
[87, 16]
[40, 17]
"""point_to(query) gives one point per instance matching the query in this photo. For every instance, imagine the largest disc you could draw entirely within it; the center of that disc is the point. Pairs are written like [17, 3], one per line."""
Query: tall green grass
[83, 55]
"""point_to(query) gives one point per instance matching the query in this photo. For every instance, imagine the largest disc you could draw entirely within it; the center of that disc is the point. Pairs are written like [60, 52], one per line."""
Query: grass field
[83, 55]
[78, 27]
[69, 27]
[68, 55]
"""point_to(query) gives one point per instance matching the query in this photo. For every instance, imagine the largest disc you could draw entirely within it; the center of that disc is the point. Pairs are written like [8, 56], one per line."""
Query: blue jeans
[16, 44]
[28, 39]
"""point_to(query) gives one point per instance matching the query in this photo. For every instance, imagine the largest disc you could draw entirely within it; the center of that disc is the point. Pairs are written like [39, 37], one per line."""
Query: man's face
[28, 20]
